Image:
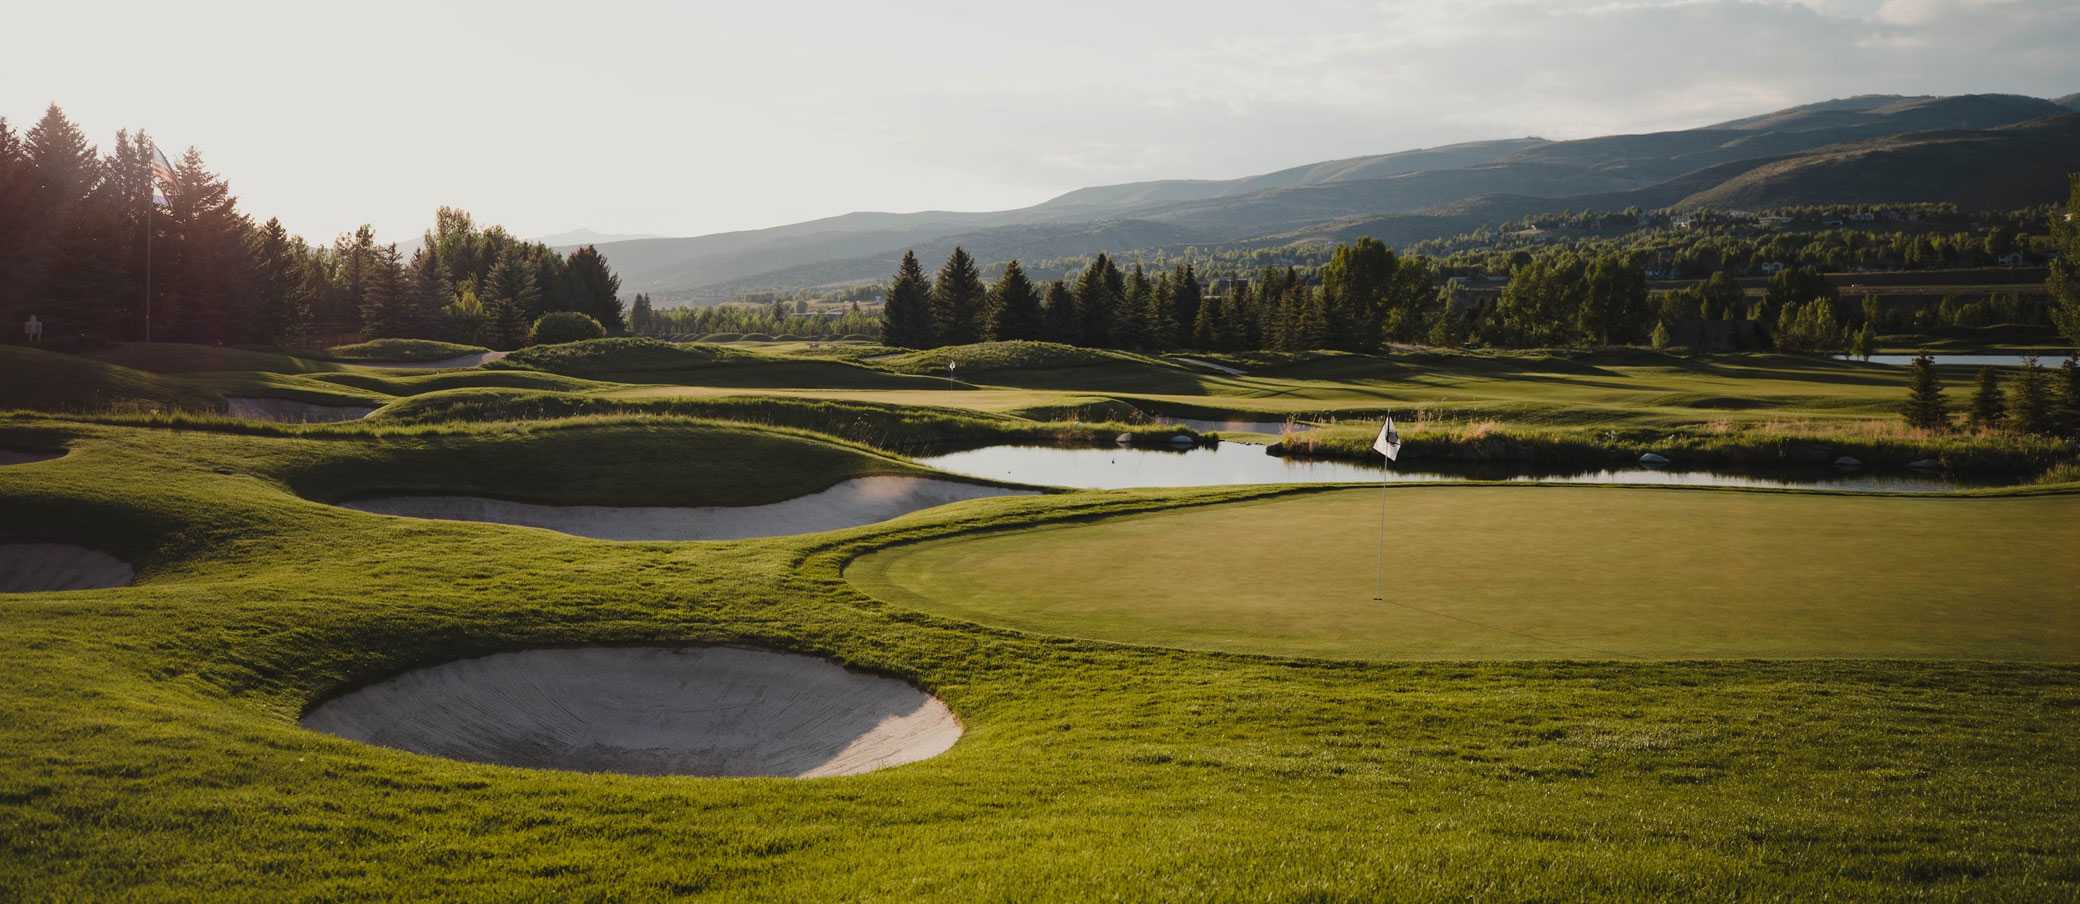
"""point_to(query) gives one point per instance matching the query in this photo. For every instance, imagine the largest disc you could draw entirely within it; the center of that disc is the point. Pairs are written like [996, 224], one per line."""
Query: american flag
[162, 175]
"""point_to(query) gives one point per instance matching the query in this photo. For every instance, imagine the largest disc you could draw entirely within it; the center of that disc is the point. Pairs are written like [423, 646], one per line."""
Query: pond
[2047, 360]
[1236, 463]
[1231, 425]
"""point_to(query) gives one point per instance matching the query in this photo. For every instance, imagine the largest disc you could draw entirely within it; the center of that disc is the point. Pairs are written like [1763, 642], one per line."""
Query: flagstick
[148, 211]
[1382, 596]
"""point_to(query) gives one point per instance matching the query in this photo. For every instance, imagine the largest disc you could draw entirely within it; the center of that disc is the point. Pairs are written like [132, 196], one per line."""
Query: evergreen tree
[594, 290]
[2069, 395]
[1015, 307]
[512, 283]
[1059, 320]
[385, 305]
[2064, 282]
[1159, 318]
[1206, 330]
[1989, 409]
[1130, 327]
[427, 294]
[1098, 292]
[640, 317]
[2031, 408]
[278, 283]
[1186, 294]
[1723, 299]
[957, 299]
[1925, 408]
[906, 314]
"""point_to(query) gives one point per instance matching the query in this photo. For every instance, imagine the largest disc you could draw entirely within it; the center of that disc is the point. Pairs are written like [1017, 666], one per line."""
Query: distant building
[1773, 222]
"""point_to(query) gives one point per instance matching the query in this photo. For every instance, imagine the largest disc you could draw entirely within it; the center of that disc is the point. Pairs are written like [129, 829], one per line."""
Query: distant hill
[584, 236]
[1976, 150]
[2070, 101]
[1980, 169]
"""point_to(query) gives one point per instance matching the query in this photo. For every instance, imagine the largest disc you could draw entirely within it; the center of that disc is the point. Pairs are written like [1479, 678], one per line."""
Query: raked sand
[717, 711]
[293, 412]
[41, 567]
[23, 457]
[849, 503]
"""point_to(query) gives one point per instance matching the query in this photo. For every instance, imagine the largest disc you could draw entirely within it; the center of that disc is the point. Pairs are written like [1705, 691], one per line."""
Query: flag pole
[1380, 596]
[149, 210]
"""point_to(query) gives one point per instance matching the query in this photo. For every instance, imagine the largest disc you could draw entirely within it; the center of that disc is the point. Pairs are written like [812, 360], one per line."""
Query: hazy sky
[685, 118]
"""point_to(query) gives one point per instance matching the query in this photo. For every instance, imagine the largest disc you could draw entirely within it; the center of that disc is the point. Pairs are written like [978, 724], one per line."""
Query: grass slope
[408, 350]
[1588, 572]
[149, 750]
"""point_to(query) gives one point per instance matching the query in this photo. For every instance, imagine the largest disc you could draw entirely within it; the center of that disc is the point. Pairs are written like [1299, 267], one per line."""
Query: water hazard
[1235, 463]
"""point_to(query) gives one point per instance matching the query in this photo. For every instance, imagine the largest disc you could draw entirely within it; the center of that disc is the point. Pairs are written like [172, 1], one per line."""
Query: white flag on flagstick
[1389, 442]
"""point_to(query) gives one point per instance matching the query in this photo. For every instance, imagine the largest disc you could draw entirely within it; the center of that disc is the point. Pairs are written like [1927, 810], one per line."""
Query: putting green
[1532, 573]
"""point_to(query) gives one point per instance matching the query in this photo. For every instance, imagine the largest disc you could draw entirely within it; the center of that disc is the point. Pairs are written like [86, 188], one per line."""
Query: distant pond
[1236, 463]
[2047, 360]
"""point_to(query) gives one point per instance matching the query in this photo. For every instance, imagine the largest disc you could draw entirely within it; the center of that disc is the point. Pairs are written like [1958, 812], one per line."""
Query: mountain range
[1979, 151]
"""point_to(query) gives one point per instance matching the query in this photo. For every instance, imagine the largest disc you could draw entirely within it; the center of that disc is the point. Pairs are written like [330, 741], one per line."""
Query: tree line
[80, 232]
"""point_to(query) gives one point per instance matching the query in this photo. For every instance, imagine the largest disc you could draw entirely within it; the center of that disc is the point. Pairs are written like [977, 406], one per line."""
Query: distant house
[1683, 222]
[1773, 222]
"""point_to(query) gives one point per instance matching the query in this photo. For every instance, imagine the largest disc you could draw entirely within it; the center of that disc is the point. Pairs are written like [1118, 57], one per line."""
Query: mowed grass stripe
[1532, 573]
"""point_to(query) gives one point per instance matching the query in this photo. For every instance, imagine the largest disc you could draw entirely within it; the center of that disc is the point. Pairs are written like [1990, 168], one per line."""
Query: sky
[685, 118]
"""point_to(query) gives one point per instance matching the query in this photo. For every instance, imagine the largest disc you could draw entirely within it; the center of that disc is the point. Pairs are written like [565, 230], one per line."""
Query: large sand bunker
[294, 412]
[850, 503]
[23, 456]
[718, 711]
[41, 567]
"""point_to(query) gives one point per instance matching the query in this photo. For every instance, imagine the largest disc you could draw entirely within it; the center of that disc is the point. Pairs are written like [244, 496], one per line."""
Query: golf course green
[1182, 694]
[1530, 572]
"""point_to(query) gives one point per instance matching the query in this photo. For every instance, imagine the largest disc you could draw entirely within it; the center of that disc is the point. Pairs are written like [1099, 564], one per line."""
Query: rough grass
[148, 745]
[1588, 572]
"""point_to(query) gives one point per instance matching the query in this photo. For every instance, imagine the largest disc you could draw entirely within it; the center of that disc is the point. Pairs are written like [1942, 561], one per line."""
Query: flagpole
[148, 211]
[1381, 595]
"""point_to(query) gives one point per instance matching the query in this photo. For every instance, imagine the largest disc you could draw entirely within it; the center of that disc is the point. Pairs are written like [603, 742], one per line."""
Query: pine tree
[1014, 307]
[1989, 409]
[906, 314]
[512, 281]
[384, 304]
[1186, 294]
[594, 289]
[1206, 330]
[2030, 408]
[957, 297]
[1160, 318]
[1058, 317]
[1097, 292]
[1130, 327]
[2069, 396]
[2064, 281]
[428, 294]
[640, 316]
[1925, 408]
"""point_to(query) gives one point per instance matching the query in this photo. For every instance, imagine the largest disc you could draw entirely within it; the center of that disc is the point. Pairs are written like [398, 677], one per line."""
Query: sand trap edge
[772, 713]
[54, 567]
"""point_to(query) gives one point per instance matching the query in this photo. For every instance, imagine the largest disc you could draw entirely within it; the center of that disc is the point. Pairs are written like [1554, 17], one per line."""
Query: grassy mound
[402, 350]
[990, 357]
[181, 358]
[51, 381]
[625, 462]
[646, 360]
[905, 428]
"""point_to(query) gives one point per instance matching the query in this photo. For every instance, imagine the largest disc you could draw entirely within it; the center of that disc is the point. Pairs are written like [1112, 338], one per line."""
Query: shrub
[566, 326]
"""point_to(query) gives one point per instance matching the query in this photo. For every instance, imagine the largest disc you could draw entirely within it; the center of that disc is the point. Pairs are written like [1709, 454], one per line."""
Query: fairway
[1531, 573]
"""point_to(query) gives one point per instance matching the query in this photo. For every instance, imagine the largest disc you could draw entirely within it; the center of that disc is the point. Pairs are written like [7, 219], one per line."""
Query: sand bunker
[459, 361]
[41, 567]
[717, 711]
[23, 457]
[294, 412]
[850, 503]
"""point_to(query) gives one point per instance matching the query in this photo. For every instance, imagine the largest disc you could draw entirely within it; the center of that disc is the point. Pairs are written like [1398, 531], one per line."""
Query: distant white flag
[162, 175]
[1389, 442]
